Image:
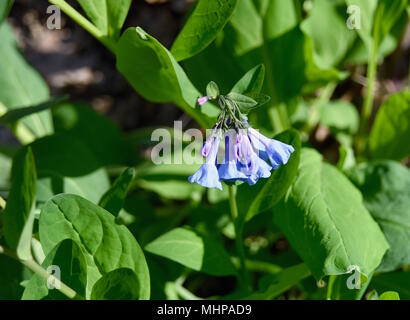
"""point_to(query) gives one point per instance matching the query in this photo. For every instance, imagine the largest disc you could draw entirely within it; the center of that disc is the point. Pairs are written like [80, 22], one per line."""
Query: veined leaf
[324, 219]
[107, 15]
[208, 18]
[388, 137]
[18, 217]
[66, 262]
[153, 72]
[194, 251]
[385, 186]
[119, 284]
[106, 245]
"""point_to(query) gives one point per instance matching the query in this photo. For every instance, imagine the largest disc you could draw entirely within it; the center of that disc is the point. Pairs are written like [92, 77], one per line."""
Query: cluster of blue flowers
[249, 155]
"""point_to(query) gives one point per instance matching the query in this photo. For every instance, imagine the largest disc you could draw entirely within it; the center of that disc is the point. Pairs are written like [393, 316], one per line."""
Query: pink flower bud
[203, 100]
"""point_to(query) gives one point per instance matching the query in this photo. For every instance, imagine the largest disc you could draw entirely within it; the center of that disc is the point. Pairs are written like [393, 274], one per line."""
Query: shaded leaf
[18, 217]
[388, 137]
[193, 250]
[21, 85]
[119, 284]
[267, 192]
[385, 186]
[65, 260]
[113, 199]
[277, 284]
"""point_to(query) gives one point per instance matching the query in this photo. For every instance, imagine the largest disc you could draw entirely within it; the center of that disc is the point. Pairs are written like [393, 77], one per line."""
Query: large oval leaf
[106, 245]
[325, 221]
[385, 186]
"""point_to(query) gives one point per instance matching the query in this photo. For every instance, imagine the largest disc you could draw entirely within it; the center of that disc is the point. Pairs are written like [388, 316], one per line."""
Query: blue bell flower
[207, 175]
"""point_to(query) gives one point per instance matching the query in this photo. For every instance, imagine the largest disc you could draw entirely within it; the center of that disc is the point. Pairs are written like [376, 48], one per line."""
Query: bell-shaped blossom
[277, 152]
[251, 164]
[230, 169]
[207, 175]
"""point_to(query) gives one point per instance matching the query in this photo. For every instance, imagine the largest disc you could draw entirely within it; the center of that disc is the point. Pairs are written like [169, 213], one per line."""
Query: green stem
[371, 79]
[37, 269]
[238, 223]
[84, 23]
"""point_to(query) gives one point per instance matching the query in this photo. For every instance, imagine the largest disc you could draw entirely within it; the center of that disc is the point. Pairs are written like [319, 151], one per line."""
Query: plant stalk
[238, 223]
[84, 23]
[39, 270]
[371, 79]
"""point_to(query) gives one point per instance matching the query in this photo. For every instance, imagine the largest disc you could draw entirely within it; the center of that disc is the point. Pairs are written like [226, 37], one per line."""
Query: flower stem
[84, 23]
[39, 270]
[371, 79]
[238, 223]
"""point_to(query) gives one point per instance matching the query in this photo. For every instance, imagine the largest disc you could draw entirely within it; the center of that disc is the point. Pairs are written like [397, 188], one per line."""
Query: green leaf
[194, 251]
[389, 10]
[113, 199]
[327, 29]
[208, 18]
[119, 284]
[107, 15]
[398, 281]
[339, 116]
[153, 72]
[66, 165]
[389, 295]
[11, 275]
[366, 15]
[212, 90]
[106, 245]
[244, 103]
[21, 85]
[385, 186]
[267, 192]
[251, 82]
[5, 7]
[65, 261]
[324, 219]
[17, 114]
[277, 284]
[18, 217]
[388, 137]
[101, 136]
